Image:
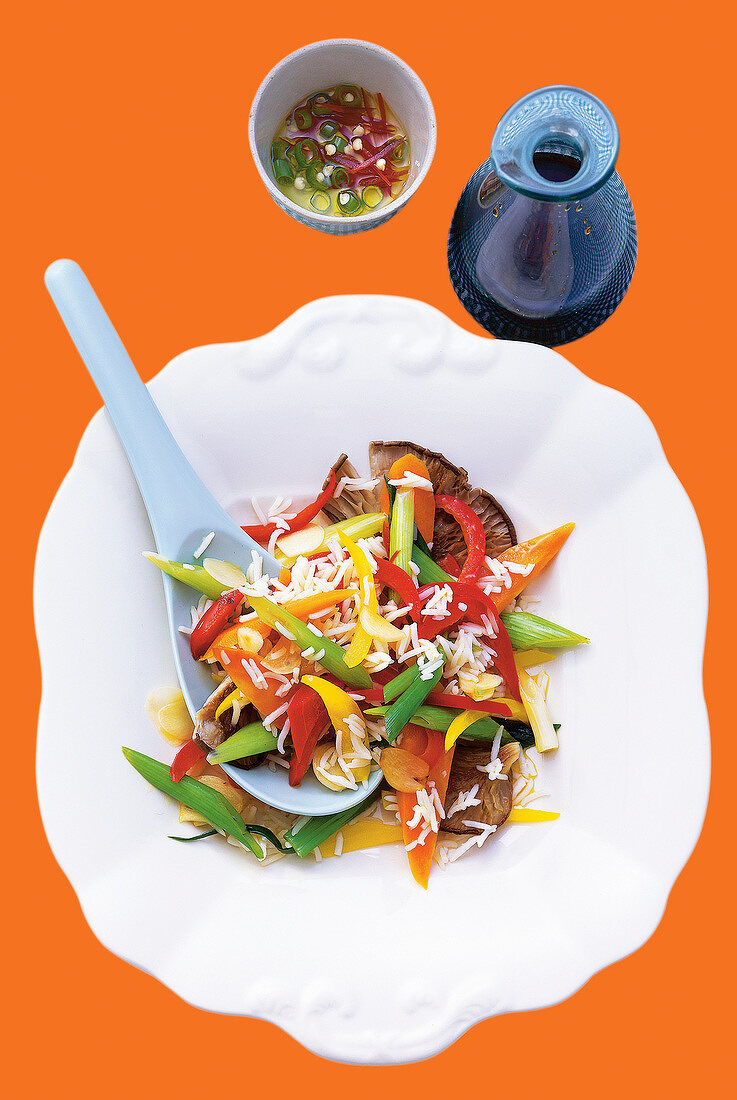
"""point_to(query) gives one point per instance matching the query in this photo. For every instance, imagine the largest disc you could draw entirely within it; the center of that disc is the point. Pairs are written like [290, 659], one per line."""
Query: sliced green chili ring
[319, 104]
[340, 143]
[372, 196]
[279, 149]
[348, 95]
[304, 152]
[303, 119]
[327, 130]
[399, 153]
[339, 177]
[320, 201]
[282, 170]
[312, 175]
[348, 202]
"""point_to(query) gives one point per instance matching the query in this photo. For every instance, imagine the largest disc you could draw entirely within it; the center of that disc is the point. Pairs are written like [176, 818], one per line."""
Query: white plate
[343, 954]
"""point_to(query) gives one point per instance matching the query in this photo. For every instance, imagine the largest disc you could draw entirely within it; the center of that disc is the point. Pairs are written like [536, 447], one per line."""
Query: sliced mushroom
[495, 794]
[351, 502]
[213, 731]
[452, 481]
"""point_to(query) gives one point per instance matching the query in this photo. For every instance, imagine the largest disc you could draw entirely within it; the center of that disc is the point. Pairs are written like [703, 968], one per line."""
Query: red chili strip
[450, 565]
[262, 532]
[400, 582]
[214, 622]
[190, 754]
[473, 534]
[462, 702]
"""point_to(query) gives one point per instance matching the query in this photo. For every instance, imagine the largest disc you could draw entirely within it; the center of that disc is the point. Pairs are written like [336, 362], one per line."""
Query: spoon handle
[171, 490]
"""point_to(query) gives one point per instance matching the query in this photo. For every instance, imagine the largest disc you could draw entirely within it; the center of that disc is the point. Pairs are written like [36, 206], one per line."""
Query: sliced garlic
[224, 572]
[296, 543]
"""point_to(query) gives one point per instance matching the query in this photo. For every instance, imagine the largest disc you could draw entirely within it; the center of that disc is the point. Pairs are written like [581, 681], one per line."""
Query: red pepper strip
[450, 565]
[190, 754]
[382, 107]
[464, 702]
[473, 533]
[374, 696]
[262, 532]
[477, 604]
[308, 720]
[214, 622]
[400, 582]
[386, 148]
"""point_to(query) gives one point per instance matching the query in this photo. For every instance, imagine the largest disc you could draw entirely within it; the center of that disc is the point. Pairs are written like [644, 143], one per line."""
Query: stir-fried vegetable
[347, 720]
[310, 832]
[189, 756]
[250, 740]
[308, 721]
[193, 575]
[527, 631]
[200, 798]
[537, 553]
[473, 534]
[362, 638]
[546, 737]
[359, 527]
[402, 529]
[403, 585]
[213, 622]
[419, 838]
[402, 709]
[485, 729]
[424, 499]
[314, 645]
[460, 725]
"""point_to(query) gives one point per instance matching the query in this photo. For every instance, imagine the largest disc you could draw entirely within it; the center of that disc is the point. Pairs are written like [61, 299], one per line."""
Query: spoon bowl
[182, 512]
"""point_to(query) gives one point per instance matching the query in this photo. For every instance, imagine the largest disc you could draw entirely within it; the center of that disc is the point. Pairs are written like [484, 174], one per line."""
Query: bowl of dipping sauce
[343, 133]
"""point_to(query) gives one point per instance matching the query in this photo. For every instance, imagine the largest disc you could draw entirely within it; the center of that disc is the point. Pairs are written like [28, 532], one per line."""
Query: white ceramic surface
[337, 61]
[631, 776]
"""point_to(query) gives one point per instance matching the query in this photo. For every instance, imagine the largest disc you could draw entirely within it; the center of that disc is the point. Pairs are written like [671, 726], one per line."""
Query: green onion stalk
[210, 804]
[310, 832]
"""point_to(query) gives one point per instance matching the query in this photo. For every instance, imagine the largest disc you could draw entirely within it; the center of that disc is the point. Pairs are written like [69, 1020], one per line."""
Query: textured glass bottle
[543, 241]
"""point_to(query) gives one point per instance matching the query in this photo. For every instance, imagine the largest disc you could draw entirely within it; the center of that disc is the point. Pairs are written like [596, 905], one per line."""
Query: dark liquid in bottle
[556, 167]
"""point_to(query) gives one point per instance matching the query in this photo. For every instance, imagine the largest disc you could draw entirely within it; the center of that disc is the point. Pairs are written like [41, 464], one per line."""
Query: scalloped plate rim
[428, 1045]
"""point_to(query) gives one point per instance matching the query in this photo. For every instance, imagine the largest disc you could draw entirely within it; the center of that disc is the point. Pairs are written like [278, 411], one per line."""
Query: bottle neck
[556, 144]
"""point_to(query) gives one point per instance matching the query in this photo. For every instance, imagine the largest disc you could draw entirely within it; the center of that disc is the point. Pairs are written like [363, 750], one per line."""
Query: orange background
[124, 132]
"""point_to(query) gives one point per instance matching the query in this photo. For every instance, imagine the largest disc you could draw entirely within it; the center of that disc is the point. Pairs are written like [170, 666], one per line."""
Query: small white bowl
[320, 65]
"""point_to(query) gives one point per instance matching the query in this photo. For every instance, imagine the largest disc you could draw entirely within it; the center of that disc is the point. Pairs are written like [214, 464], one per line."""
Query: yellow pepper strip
[528, 658]
[363, 834]
[522, 814]
[461, 722]
[228, 701]
[517, 710]
[340, 707]
[361, 642]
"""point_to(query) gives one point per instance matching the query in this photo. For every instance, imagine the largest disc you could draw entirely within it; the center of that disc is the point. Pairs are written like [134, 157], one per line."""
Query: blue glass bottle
[543, 241]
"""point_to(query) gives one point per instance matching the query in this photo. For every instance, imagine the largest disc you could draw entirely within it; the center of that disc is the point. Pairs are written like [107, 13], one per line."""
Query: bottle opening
[557, 160]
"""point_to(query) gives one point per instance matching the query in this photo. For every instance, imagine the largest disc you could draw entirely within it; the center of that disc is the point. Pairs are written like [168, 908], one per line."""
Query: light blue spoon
[181, 512]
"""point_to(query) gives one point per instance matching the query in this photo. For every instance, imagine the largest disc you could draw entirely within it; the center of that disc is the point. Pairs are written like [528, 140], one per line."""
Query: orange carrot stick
[538, 552]
[424, 498]
[430, 746]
